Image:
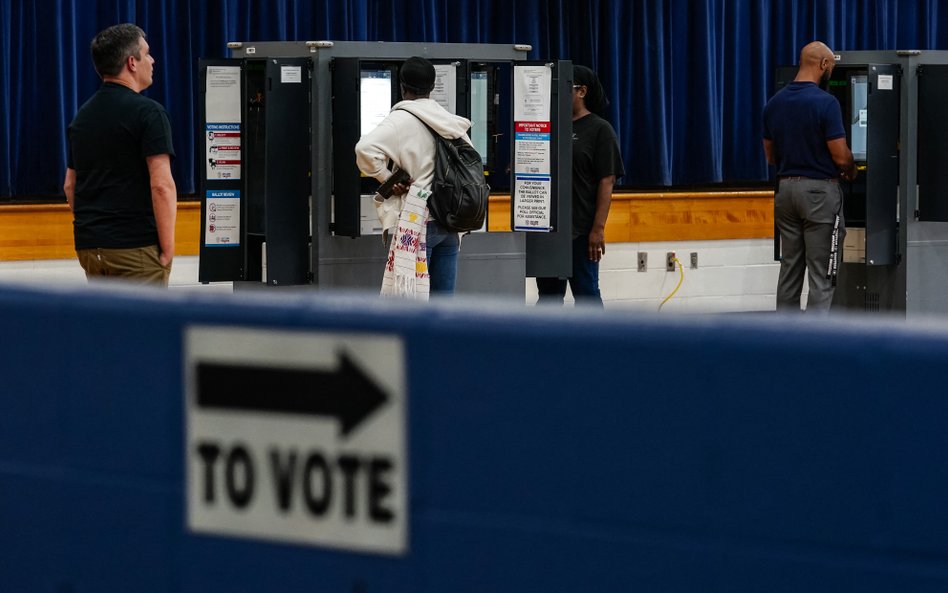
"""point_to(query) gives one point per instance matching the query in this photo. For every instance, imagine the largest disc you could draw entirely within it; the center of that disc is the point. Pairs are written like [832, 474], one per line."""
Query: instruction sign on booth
[297, 437]
[533, 185]
[223, 145]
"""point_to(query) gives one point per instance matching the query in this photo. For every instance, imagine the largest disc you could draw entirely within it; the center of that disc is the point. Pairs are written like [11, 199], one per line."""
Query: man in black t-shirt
[118, 177]
[597, 164]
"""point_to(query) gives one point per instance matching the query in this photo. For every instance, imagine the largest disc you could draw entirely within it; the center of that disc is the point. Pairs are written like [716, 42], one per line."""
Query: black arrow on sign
[345, 393]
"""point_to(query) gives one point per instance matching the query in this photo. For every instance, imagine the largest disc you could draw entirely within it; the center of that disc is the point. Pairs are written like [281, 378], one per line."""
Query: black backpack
[459, 191]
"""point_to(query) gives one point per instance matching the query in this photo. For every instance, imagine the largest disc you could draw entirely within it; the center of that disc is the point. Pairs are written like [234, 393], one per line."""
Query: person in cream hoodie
[422, 254]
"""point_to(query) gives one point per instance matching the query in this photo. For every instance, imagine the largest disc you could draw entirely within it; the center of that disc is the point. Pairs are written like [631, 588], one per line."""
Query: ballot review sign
[297, 437]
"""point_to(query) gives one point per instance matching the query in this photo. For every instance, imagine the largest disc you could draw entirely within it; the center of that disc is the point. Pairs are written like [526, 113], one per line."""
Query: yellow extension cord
[681, 278]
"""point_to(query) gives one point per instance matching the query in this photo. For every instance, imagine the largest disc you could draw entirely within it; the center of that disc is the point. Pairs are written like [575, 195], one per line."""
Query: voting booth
[283, 203]
[896, 211]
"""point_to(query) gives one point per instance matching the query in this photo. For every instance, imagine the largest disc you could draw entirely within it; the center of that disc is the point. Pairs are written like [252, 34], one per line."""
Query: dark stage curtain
[687, 78]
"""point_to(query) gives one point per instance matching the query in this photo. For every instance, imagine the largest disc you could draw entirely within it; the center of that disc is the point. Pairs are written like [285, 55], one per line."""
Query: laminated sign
[532, 192]
[297, 436]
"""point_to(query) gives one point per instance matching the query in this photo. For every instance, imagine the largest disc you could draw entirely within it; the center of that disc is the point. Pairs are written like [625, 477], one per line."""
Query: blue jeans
[442, 247]
[584, 281]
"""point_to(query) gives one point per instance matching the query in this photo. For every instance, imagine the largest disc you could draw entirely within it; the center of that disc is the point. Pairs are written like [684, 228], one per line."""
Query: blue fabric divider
[549, 451]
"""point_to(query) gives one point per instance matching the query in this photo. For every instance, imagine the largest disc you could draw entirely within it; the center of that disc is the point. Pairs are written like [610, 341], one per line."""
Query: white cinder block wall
[65, 272]
[732, 276]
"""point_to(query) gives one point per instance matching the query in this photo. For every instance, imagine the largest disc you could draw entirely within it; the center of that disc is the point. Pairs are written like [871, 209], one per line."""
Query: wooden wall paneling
[44, 231]
[29, 232]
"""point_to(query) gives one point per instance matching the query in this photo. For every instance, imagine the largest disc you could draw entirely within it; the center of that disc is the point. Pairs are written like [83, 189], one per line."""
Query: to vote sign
[297, 437]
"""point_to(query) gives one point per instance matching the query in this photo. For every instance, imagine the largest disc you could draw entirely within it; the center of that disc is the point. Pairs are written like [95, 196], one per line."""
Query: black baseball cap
[417, 75]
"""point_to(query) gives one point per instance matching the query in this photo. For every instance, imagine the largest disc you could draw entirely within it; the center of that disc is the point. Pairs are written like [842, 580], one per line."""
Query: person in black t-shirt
[597, 164]
[118, 176]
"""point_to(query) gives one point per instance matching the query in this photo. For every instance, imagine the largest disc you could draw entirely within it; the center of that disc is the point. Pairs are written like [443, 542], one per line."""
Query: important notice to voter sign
[297, 437]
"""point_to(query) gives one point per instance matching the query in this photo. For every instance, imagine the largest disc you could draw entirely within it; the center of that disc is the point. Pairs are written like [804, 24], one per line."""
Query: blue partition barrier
[545, 451]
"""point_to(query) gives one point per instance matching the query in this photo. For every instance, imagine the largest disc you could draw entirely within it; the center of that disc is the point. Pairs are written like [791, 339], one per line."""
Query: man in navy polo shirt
[805, 138]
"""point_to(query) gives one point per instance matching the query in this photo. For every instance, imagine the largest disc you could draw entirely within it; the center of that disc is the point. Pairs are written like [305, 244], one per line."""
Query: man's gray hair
[112, 46]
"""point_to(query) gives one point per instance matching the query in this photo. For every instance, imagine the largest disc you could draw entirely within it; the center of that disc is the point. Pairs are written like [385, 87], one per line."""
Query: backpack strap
[430, 129]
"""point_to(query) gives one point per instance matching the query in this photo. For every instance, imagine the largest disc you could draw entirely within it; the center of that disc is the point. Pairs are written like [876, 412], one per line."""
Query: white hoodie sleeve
[374, 149]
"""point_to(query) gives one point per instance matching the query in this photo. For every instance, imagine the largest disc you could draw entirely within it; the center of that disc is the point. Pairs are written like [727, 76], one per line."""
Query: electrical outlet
[694, 260]
[670, 261]
[643, 261]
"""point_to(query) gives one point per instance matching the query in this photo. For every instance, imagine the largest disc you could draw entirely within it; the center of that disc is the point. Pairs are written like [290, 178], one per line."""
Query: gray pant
[805, 211]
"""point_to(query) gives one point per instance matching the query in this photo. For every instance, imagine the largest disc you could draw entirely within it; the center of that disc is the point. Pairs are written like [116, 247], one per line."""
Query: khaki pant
[138, 264]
